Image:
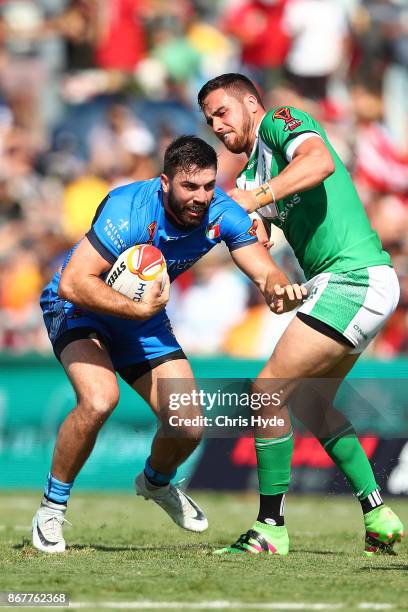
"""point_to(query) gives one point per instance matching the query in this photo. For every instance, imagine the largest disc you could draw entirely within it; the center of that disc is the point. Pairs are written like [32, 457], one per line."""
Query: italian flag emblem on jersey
[213, 230]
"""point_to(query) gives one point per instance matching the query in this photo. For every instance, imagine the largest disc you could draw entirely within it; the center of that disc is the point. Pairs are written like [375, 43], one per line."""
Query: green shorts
[357, 304]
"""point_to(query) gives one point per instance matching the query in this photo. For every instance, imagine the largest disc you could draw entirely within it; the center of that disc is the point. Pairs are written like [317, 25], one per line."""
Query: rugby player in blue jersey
[96, 331]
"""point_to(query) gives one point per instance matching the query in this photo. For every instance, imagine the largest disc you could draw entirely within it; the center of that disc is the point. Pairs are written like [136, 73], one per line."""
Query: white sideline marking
[15, 527]
[375, 606]
[223, 605]
[16, 502]
[205, 605]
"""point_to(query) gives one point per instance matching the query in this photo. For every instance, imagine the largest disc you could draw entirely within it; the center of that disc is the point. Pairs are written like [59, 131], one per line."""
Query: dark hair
[234, 83]
[186, 153]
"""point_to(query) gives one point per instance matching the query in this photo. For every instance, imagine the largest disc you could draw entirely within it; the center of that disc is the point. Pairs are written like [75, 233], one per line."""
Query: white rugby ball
[135, 271]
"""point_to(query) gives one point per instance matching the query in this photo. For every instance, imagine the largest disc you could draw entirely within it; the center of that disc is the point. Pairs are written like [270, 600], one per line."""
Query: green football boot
[261, 538]
[383, 529]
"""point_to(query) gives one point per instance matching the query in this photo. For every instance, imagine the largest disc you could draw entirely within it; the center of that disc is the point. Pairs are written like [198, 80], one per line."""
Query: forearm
[302, 174]
[269, 275]
[258, 265]
[275, 276]
[93, 294]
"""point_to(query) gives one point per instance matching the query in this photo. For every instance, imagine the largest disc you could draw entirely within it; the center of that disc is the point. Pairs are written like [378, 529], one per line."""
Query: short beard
[240, 143]
[180, 214]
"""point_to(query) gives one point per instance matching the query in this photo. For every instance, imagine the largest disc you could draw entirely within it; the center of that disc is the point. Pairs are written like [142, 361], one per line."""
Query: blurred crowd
[92, 92]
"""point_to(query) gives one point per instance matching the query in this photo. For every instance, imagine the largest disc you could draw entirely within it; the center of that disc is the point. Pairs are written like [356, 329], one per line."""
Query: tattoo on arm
[264, 195]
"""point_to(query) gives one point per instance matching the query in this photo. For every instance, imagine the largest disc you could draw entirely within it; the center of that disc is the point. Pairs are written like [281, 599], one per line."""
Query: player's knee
[192, 434]
[266, 397]
[101, 404]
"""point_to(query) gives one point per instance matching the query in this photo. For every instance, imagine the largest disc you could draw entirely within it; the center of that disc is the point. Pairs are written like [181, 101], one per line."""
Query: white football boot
[179, 506]
[47, 527]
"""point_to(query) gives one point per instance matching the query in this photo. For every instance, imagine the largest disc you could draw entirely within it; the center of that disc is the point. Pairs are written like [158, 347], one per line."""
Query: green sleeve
[283, 124]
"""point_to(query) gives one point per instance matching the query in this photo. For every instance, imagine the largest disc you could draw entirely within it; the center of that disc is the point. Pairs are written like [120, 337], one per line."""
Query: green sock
[345, 450]
[274, 457]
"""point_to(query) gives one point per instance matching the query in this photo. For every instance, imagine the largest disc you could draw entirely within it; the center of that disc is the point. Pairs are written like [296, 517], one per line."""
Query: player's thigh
[89, 368]
[353, 305]
[303, 352]
[163, 387]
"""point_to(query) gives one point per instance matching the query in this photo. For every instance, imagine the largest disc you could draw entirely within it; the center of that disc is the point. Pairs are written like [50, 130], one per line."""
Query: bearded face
[188, 195]
[229, 119]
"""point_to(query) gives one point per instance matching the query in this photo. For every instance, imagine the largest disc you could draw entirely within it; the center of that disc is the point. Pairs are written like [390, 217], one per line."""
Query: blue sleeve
[111, 232]
[237, 229]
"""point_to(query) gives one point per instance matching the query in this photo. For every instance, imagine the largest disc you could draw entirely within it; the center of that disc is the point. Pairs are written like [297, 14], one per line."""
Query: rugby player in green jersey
[295, 180]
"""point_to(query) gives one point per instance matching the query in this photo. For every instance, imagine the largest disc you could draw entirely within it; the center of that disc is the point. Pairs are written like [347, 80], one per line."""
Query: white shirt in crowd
[318, 28]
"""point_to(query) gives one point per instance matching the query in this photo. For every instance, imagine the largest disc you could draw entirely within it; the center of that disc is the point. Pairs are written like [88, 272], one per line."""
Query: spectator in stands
[258, 28]
[120, 37]
[77, 25]
[113, 141]
[380, 166]
[51, 180]
[318, 30]
[202, 314]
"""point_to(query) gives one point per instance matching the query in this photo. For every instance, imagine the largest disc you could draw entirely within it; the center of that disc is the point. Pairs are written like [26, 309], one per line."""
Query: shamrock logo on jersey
[285, 115]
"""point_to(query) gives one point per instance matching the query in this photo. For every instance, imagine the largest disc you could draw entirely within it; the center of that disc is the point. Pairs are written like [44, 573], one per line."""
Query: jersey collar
[256, 136]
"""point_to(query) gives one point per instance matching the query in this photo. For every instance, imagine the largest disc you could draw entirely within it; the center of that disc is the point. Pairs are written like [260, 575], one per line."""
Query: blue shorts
[134, 346]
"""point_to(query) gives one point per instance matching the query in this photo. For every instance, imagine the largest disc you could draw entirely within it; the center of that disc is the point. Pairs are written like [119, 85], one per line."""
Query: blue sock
[157, 478]
[56, 491]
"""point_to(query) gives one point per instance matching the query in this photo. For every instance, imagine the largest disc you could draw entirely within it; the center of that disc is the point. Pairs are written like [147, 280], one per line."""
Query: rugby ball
[135, 271]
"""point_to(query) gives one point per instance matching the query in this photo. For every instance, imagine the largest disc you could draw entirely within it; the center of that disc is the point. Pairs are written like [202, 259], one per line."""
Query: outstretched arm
[280, 295]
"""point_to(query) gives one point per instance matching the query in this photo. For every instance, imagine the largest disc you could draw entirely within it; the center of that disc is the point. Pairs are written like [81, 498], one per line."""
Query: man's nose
[201, 196]
[217, 125]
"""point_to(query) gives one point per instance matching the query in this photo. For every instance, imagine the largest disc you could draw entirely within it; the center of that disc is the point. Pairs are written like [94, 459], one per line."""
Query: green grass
[122, 548]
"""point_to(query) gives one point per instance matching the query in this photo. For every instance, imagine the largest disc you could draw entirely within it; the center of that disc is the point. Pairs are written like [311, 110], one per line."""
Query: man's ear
[165, 183]
[251, 103]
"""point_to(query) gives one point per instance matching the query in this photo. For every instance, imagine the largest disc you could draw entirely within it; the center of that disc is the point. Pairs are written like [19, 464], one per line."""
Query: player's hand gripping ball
[135, 271]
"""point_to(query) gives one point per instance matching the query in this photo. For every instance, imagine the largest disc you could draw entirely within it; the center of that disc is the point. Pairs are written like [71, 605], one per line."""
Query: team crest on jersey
[152, 230]
[213, 230]
[252, 229]
[285, 115]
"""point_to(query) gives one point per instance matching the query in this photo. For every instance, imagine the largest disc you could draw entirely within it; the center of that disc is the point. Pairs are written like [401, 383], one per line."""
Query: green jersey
[326, 226]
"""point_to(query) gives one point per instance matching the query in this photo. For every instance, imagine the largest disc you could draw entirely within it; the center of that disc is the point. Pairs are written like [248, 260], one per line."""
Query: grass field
[123, 549]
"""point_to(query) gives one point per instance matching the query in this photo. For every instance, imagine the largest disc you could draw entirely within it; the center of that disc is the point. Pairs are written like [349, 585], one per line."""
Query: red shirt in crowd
[122, 41]
[258, 27]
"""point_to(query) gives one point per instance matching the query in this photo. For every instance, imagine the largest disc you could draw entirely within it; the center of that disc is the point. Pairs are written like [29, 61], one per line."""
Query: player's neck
[169, 213]
[174, 220]
[254, 132]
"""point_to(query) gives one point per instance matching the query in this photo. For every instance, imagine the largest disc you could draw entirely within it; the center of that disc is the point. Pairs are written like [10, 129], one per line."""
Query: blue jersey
[134, 214]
